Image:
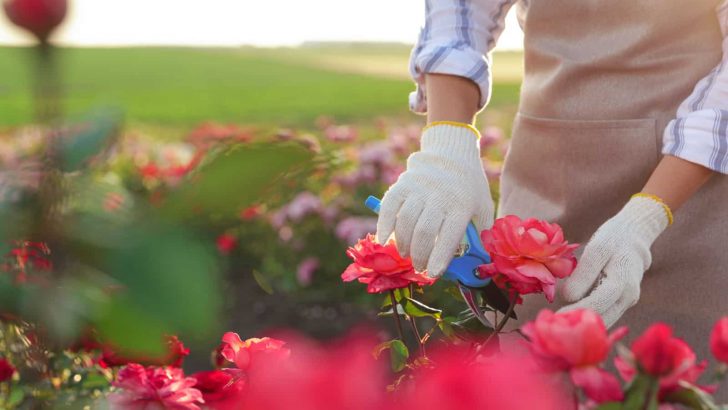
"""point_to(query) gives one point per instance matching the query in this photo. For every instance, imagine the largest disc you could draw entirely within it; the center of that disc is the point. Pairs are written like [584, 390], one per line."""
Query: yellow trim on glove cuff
[659, 200]
[454, 124]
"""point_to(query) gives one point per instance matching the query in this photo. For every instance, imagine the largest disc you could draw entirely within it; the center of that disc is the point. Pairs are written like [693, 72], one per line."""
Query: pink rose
[246, 353]
[571, 339]
[528, 255]
[719, 340]
[576, 342]
[658, 353]
[381, 267]
[154, 387]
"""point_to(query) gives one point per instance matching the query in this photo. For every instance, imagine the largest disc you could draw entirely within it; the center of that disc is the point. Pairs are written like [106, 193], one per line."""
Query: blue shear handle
[461, 269]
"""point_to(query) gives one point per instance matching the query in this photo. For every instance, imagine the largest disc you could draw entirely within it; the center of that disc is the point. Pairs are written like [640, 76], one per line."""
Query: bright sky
[236, 22]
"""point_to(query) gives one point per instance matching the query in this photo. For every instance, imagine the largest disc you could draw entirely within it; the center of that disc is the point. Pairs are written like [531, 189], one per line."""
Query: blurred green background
[179, 87]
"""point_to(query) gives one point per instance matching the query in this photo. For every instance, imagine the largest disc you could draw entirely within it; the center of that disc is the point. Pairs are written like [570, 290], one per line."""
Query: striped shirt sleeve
[699, 134]
[457, 39]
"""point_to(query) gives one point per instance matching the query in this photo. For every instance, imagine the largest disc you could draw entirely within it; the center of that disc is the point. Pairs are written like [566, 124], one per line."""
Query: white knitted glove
[616, 257]
[432, 202]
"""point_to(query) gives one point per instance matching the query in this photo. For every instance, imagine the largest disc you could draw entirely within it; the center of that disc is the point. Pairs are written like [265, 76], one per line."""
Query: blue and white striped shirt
[459, 35]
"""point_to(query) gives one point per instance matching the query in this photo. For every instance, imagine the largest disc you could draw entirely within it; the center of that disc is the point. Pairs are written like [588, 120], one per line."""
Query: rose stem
[412, 321]
[395, 313]
[502, 323]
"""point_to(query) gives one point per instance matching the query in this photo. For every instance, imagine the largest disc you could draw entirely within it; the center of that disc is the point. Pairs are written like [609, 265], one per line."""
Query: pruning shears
[462, 269]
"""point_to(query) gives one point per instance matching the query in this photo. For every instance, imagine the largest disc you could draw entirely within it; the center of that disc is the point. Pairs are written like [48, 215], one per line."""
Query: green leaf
[168, 283]
[398, 355]
[91, 137]
[641, 393]
[235, 178]
[418, 309]
[471, 330]
[263, 282]
[692, 397]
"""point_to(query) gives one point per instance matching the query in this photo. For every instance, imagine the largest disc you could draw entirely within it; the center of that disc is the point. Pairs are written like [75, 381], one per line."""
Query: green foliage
[235, 178]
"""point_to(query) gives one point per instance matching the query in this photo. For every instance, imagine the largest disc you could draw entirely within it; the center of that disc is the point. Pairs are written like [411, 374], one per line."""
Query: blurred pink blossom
[306, 269]
[341, 133]
[353, 228]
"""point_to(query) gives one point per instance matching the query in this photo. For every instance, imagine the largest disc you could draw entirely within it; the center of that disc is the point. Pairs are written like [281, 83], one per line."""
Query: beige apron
[602, 80]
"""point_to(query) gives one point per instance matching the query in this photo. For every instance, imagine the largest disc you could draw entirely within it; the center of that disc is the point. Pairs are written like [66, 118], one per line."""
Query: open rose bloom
[154, 388]
[528, 256]
[381, 267]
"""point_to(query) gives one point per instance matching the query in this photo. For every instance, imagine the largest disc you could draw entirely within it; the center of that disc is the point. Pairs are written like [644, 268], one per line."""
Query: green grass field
[283, 87]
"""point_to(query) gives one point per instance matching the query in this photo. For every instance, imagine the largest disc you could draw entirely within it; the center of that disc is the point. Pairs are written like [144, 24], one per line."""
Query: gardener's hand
[615, 259]
[432, 202]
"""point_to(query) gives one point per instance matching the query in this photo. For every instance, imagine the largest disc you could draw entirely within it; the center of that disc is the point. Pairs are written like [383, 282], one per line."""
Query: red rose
[381, 267]
[658, 353]
[6, 370]
[719, 340]
[221, 390]
[40, 17]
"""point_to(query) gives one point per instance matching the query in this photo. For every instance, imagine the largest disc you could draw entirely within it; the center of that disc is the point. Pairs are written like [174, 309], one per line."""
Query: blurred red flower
[335, 376]
[226, 243]
[246, 354]
[381, 267]
[40, 17]
[154, 387]
[6, 370]
[528, 255]
[176, 353]
[719, 340]
[221, 390]
[503, 382]
[658, 353]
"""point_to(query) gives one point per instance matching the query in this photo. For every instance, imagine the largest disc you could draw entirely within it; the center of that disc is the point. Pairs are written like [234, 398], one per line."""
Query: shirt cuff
[452, 59]
[700, 137]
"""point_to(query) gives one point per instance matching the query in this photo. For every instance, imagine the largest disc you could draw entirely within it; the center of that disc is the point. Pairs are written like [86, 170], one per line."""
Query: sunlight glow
[237, 22]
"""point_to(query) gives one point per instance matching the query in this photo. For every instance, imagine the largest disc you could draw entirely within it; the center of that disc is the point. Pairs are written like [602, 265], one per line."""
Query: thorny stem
[416, 331]
[395, 313]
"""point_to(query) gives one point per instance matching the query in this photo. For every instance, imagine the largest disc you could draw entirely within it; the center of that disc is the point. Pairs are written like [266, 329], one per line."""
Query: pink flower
[303, 204]
[154, 387]
[381, 267]
[577, 342]
[658, 353]
[571, 339]
[341, 133]
[6, 370]
[226, 243]
[352, 228]
[719, 340]
[245, 354]
[305, 270]
[221, 390]
[528, 255]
